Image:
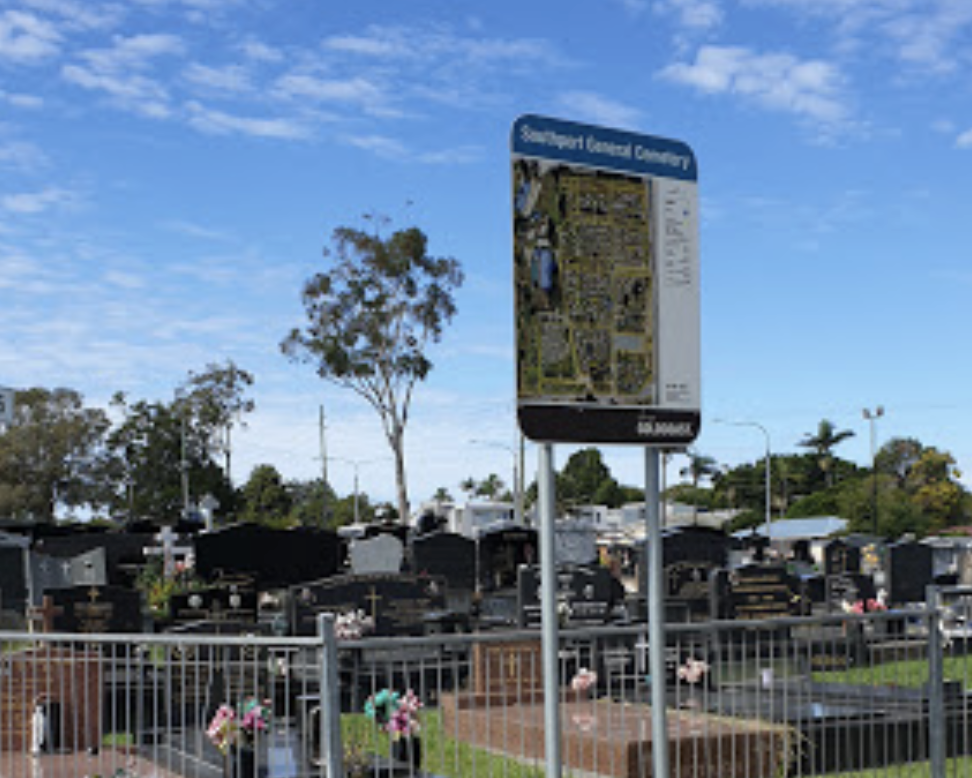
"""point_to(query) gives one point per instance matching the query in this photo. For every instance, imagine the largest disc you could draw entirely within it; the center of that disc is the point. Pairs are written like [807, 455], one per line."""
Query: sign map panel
[605, 228]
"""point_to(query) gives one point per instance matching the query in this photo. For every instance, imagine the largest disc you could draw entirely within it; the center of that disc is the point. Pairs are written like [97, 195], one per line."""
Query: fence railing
[845, 694]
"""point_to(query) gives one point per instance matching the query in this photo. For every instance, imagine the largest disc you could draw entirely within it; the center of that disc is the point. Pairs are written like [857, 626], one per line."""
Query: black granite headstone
[910, 570]
[448, 555]
[96, 610]
[501, 553]
[400, 605]
[586, 596]
[763, 592]
[269, 556]
[227, 602]
[840, 558]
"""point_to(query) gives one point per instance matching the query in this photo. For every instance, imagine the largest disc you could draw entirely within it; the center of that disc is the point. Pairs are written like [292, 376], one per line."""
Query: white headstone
[381, 554]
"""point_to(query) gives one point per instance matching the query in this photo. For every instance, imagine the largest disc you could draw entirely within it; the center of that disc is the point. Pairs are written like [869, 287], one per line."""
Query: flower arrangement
[693, 671]
[231, 727]
[353, 625]
[863, 606]
[583, 681]
[396, 714]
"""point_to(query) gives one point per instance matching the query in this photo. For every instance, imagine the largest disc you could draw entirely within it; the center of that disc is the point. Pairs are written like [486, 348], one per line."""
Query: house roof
[798, 529]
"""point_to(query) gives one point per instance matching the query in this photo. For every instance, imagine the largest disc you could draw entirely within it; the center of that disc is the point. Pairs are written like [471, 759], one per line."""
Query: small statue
[38, 730]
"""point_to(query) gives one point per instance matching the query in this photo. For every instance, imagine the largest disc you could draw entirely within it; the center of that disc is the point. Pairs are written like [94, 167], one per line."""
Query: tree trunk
[398, 446]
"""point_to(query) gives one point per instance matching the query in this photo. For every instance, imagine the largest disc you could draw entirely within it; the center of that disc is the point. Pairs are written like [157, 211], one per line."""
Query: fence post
[936, 684]
[330, 691]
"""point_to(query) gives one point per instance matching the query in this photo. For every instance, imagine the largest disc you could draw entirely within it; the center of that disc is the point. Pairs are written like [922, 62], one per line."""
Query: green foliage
[266, 500]
[52, 454]
[145, 468]
[370, 319]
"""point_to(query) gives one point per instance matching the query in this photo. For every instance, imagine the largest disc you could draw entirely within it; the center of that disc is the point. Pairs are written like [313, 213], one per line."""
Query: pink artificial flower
[584, 680]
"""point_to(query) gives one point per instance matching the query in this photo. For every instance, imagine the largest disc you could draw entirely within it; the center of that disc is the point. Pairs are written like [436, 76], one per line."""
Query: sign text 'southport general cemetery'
[606, 274]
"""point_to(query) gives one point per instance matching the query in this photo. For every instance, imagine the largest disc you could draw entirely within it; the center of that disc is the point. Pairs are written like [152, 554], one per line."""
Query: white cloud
[389, 148]
[221, 123]
[21, 155]
[21, 100]
[261, 52]
[778, 81]
[231, 78]
[354, 90]
[964, 141]
[598, 109]
[35, 202]
[26, 38]
[693, 15]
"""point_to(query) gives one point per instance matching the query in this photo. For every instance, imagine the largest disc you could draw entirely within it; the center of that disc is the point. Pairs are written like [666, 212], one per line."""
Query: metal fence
[874, 693]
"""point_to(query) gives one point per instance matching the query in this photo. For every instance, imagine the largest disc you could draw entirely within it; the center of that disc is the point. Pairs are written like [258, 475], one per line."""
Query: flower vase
[240, 763]
[407, 753]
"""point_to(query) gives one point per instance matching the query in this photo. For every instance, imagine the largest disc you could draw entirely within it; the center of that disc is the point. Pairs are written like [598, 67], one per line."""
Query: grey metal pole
[936, 684]
[330, 732]
[656, 615]
[548, 609]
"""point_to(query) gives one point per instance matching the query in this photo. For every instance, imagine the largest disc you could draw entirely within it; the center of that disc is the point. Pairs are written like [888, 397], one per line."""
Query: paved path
[82, 765]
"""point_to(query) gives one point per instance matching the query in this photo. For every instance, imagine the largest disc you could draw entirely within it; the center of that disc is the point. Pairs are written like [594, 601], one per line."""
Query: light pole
[761, 428]
[517, 477]
[872, 417]
[356, 464]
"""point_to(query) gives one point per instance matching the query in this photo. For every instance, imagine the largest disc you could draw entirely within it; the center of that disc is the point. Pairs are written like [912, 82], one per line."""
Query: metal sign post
[548, 609]
[656, 613]
[605, 268]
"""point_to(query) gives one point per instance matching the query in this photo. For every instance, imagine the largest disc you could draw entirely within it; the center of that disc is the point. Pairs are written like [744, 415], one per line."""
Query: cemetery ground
[849, 660]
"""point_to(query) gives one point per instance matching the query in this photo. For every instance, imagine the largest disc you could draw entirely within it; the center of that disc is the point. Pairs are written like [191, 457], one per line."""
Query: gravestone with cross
[96, 610]
[398, 604]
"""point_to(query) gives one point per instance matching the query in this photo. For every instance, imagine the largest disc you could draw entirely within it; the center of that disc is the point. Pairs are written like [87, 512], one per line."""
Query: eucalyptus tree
[370, 318]
[51, 454]
[218, 399]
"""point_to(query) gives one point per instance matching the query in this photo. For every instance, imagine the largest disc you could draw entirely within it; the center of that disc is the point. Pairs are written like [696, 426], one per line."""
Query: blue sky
[170, 171]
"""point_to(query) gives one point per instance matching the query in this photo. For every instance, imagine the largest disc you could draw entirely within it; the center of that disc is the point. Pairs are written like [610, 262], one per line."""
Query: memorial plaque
[507, 668]
[97, 610]
[763, 592]
[13, 581]
[224, 603]
[398, 604]
[586, 596]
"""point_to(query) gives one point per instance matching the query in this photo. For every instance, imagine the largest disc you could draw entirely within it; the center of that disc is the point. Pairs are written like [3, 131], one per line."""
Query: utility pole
[322, 427]
[872, 417]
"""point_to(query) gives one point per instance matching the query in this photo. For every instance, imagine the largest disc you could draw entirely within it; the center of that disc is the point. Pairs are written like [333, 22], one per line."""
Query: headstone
[840, 557]
[97, 610]
[575, 543]
[909, 572]
[226, 602]
[690, 555]
[763, 592]
[397, 604]
[13, 578]
[270, 557]
[501, 552]
[586, 596]
[848, 589]
[380, 555]
[48, 573]
[66, 684]
[447, 555]
[507, 669]
[123, 552]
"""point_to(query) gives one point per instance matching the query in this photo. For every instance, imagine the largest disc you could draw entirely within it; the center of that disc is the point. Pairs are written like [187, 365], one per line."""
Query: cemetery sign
[605, 231]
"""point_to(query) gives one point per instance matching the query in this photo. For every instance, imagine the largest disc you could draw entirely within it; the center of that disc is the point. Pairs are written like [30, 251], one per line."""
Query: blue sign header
[599, 147]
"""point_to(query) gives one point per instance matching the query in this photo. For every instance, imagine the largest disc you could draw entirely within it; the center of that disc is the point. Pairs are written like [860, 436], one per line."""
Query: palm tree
[823, 443]
[699, 467]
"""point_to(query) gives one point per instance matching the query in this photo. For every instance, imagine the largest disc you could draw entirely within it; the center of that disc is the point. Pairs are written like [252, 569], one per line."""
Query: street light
[517, 477]
[757, 425]
[872, 417]
[356, 464]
